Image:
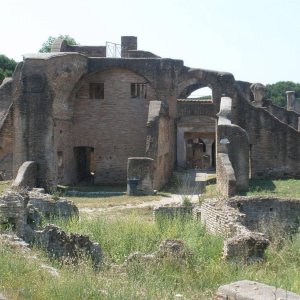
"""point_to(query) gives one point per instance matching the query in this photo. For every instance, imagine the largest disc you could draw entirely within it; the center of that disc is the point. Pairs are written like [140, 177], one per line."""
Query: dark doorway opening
[85, 164]
[213, 155]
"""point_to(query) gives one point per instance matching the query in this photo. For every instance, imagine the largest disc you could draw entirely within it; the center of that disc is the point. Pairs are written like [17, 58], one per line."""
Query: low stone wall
[249, 222]
[225, 176]
[268, 214]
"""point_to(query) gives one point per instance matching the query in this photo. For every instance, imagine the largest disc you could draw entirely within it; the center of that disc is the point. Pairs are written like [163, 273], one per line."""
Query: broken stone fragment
[246, 247]
[172, 248]
[70, 247]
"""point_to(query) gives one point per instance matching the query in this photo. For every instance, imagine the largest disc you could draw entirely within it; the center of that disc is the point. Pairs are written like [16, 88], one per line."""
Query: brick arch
[193, 79]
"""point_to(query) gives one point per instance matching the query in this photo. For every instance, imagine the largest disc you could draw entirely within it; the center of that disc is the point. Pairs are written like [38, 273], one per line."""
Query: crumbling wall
[23, 213]
[249, 223]
[218, 218]
[274, 146]
[241, 243]
[268, 213]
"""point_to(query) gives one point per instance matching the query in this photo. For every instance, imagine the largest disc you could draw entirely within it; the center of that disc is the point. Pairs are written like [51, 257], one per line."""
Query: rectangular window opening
[97, 90]
[139, 90]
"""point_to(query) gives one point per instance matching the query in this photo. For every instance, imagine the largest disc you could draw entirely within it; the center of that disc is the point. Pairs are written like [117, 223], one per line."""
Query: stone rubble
[23, 212]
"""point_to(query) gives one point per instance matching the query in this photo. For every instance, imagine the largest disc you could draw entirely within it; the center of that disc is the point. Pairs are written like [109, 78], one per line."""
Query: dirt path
[196, 183]
[174, 199]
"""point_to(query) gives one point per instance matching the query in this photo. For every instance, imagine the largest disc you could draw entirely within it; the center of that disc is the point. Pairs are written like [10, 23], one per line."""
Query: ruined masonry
[80, 115]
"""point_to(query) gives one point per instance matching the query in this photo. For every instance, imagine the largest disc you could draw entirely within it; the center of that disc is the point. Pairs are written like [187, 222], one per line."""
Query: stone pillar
[181, 148]
[298, 123]
[290, 100]
[208, 145]
[128, 43]
[140, 175]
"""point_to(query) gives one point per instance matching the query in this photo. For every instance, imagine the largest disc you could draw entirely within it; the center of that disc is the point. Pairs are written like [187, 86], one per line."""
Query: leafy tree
[7, 67]
[276, 91]
[46, 47]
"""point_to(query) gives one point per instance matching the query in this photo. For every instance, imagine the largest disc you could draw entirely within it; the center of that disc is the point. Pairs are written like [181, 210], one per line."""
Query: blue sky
[257, 41]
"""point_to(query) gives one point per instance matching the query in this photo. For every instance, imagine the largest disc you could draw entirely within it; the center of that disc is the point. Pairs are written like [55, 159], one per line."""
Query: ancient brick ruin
[79, 115]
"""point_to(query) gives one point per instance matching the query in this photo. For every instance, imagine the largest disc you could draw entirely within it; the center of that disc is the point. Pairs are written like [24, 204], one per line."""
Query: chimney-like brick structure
[290, 100]
[128, 43]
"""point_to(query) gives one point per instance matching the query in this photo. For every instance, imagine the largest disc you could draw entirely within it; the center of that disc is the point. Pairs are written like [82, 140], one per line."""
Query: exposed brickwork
[48, 105]
[107, 124]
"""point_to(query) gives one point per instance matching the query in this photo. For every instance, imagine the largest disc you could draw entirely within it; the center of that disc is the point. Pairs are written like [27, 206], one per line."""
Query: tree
[7, 67]
[276, 91]
[46, 47]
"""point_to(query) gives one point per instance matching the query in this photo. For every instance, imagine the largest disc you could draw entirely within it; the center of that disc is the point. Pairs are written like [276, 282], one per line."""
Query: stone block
[140, 175]
[252, 290]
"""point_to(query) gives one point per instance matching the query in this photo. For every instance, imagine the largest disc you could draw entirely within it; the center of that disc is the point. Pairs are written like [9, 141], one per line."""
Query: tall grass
[196, 277]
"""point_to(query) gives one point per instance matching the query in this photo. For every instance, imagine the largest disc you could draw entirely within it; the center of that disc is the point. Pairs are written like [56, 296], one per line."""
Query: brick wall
[219, 218]
[115, 126]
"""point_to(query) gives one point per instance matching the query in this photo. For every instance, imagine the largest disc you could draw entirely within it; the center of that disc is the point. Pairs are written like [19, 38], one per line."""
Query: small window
[139, 90]
[97, 90]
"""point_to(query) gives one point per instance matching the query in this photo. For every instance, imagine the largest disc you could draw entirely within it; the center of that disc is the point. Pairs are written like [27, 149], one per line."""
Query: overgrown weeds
[195, 278]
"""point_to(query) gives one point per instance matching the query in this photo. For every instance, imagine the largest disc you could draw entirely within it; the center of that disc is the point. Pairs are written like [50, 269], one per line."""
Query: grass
[196, 277]
[287, 188]
[121, 233]
[4, 185]
[95, 188]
